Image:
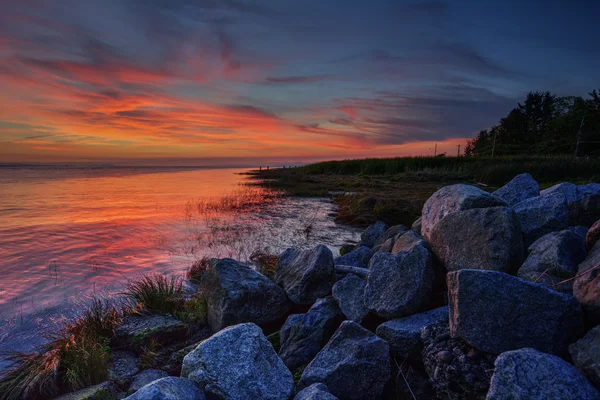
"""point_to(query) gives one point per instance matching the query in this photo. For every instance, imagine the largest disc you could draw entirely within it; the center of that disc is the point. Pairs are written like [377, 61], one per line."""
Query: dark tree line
[544, 125]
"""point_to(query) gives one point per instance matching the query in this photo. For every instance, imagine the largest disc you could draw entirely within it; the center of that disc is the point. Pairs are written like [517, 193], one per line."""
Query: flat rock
[585, 211]
[399, 285]
[404, 334]
[407, 241]
[567, 189]
[553, 259]
[235, 293]
[593, 235]
[372, 234]
[356, 258]
[388, 235]
[542, 215]
[457, 370]
[497, 312]
[528, 374]
[316, 391]
[102, 391]
[145, 377]
[238, 363]
[586, 355]
[123, 367]
[304, 335]
[169, 388]
[481, 238]
[350, 295]
[521, 187]
[586, 287]
[137, 331]
[306, 275]
[451, 199]
[354, 365]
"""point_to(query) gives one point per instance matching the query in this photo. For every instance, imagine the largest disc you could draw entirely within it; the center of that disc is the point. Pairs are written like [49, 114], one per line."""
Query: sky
[223, 82]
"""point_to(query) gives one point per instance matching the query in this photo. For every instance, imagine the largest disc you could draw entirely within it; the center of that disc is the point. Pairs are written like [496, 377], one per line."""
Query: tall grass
[74, 358]
[157, 293]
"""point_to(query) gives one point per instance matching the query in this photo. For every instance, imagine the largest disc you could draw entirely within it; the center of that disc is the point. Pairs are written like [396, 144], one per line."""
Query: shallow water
[69, 233]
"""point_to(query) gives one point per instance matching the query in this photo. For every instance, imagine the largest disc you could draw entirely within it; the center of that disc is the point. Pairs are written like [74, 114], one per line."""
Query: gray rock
[304, 335]
[370, 236]
[123, 367]
[457, 371]
[580, 231]
[593, 234]
[588, 189]
[521, 187]
[497, 312]
[585, 211]
[407, 241]
[541, 215]
[350, 295]
[554, 258]
[306, 275]
[586, 355]
[235, 293]
[567, 189]
[145, 377]
[451, 199]
[316, 391]
[391, 233]
[481, 238]
[355, 364]
[528, 374]
[102, 391]
[404, 334]
[416, 226]
[169, 388]
[238, 363]
[586, 287]
[399, 285]
[342, 270]
[356, 258]
[137, 331]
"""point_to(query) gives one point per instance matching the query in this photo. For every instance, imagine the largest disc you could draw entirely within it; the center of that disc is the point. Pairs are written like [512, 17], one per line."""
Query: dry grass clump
[198, 268]
[157, 293]
[266, 263]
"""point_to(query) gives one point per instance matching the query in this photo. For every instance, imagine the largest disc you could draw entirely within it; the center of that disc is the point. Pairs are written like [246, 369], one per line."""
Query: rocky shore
[486, 296]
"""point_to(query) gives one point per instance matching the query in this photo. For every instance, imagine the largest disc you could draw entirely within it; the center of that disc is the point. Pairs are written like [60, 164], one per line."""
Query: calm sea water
[70, 233]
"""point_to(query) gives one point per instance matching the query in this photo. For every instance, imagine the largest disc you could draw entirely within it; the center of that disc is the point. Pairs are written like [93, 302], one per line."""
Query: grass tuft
[157, 293]
[266, 263]
[198, 268]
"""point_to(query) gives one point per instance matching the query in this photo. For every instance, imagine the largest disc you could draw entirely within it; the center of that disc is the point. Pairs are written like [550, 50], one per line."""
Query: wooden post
[435, 150]
[458, 151]
[579, 136]
[494, 145]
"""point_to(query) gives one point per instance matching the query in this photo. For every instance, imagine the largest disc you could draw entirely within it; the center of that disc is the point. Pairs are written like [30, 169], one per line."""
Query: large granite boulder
[122, 367]
[451, 199]
[567, 189]
[404, 334]
[586, 286]
[541, 215]
[372, 234]
[138, 331]
[407, 241]
[497, 312]
[553, 259]
[350, 295]
[235, 293]
[304, 335]
[521, 187]
[169, 388]
[101, 391]
[585, 211]
[354, 365]
[457, 371]
[316, 391]
[528, 374]
[356, 258]
[238, 363]
[481, 238]
[400, 285]
[145, 377]
[586, 355]
[306, 275]
[588, 189]
[593, 235]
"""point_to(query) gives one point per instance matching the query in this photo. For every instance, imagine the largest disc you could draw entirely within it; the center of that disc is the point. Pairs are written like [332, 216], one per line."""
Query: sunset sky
[235, 81]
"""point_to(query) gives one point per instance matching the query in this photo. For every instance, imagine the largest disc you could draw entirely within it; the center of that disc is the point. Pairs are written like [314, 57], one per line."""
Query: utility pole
[435, 150]
[494, 145]
[458, 151]
[579, 136]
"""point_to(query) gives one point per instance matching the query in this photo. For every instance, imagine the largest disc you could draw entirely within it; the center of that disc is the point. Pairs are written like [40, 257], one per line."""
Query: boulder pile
[486, 296]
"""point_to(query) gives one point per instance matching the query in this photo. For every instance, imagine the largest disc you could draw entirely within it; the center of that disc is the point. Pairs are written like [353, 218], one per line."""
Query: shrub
[157, 293]
[75, 357]
[193, 311]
